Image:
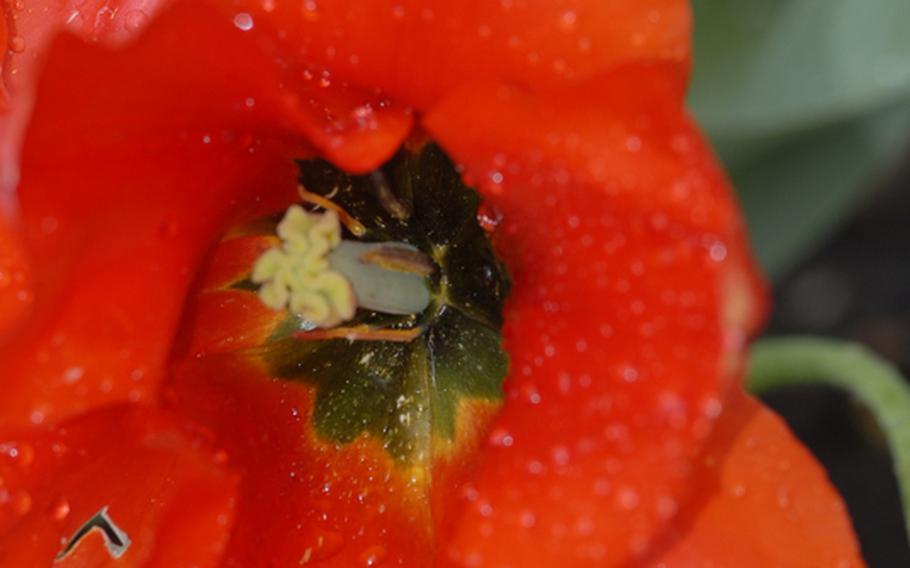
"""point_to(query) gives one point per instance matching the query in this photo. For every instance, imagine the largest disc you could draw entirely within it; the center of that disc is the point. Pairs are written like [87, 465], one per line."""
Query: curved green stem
[877, 383]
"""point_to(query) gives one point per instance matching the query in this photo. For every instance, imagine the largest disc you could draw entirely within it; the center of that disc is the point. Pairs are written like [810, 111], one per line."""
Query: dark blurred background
[856, 286]
[808, 104]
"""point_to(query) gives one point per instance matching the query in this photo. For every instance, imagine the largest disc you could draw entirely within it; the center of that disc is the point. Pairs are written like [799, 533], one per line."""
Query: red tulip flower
[162, 406]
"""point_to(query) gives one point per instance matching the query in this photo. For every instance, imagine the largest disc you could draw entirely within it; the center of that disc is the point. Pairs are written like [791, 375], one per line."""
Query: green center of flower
[393, 299]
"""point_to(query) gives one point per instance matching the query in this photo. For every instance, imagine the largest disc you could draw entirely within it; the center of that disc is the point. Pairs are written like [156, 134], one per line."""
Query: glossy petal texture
[118, 235]
[301, 497]
[174, 502]
[623, 134]
[418, 51]
[29, 27]
[238, 375]
[633, 289]
[15, 281]
[630, 306]
[762, 501]
[356, 127]
[128, 225]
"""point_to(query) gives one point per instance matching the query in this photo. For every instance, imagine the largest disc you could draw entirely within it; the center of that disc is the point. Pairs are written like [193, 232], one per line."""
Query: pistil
[322, 278]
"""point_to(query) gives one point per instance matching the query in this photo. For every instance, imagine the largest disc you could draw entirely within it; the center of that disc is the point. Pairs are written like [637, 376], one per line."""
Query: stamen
[323, 279]
[400, 259]
[356, 227]
[387, 199]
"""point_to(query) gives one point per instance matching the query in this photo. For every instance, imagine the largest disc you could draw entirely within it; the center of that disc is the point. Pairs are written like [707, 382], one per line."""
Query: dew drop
[628, 499]
[527, 519]
[243, 21]
[783, 498]
[135, 20]
[560, 455]
[633, 143]
[21, 454]
[59, 509]
[321, 545]
[310, 10]
[718, 252]
[584, 44]
[535, 467]
[501, 437]
[59, 449]
[488, 217]
[220, 457]
[17, 44]
[21, 503]
[373, 556]
[666, 507]
[73, 375]
[567, 20]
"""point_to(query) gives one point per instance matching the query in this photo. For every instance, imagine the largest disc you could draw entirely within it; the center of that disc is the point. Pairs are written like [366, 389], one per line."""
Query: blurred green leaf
[806, 101]
[796, 191]
[874, 381]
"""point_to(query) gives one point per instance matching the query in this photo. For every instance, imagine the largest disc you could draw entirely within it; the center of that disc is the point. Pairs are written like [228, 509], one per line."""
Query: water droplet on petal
[501, 437]
[21, 454]
[373, 556]
[21, 503]
[17, 44]
[135, 19]
[628, 498]
[783, 498]
[567, 20]
[321, 545]
[73, 375]
[310, 10]
[59, 509]
[243, 21]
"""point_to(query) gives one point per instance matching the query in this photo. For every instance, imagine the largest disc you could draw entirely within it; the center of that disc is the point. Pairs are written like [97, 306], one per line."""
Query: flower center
[391, 300]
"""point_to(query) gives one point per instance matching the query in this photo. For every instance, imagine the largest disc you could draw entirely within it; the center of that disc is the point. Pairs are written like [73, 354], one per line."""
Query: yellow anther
[297, 276]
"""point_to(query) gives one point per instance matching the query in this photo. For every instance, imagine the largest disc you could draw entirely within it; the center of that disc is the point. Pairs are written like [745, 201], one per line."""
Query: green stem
[874, 381]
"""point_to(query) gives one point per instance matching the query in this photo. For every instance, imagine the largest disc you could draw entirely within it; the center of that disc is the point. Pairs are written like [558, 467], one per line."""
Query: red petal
[174, 502]
[302, 499]
[626, 323]
[624, 133]
[127, 180]
[31, 26]
[15, 282]
[119, 198]
[417, 51]
[763, 501]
